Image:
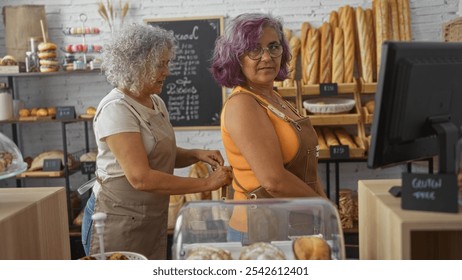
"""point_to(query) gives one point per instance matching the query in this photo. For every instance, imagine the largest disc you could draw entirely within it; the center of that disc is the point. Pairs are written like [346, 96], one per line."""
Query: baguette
[294, 45]
[394, 20]
[287, 34]
[347, 23]
[337, 54]
[313, 54]
[331, 139]
[334, 20]
[404, 16]
[364, 45]
[321, 141]
[344, 137]
[372, 49]
[381, 27]
[326, 54]
[303, 47]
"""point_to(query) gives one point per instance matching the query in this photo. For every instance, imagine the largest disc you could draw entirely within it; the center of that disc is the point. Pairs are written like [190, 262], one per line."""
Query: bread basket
[329, 105]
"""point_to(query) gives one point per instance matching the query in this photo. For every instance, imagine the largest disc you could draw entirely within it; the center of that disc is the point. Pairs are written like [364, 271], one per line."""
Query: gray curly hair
[130, 58]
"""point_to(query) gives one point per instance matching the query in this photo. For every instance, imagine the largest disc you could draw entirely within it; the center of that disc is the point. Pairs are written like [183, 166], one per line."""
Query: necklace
[274, 99]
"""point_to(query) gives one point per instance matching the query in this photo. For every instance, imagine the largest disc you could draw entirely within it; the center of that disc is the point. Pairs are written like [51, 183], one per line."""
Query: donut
[311, 248]
[262, 251]
[47, 46]
[208, 253]
[45, 55]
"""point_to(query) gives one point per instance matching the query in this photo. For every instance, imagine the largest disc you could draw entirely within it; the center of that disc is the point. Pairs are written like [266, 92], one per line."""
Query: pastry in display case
[282, 229]
[11, 160]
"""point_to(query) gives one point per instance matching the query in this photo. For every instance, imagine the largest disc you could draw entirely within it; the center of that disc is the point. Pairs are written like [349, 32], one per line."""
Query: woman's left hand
[212, 157]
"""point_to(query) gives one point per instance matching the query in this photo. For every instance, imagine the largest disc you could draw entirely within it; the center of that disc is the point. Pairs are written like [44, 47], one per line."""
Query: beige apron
[136, 220]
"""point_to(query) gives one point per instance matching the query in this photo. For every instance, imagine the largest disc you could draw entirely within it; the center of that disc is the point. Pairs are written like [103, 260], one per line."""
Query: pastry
[91, 110]
[88, 258]
[262, 251]
[117, 256]
[208, 253]
[311, 248]
[90, 156]
[24, 112]
[42, 112]
[51, 111]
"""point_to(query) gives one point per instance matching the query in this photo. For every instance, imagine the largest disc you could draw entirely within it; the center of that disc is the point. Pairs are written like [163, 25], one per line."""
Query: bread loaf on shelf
[37, 163]
[347, 23]
[333, 20]
[314, 51]
[382, 33]
[371, 34]
[394, 20]
[365, 46]
[344, 137]
[294, 45]
[338, 61]
[326, 54]
[331, 139]
[305, 28]
[404, 20]
[321, 141]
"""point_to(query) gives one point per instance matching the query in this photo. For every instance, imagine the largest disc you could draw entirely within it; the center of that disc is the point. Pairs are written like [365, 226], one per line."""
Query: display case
[278, 222]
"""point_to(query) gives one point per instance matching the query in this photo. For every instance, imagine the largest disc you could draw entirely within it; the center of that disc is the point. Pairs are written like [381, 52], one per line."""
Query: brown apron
[305, 163]
[136, 220]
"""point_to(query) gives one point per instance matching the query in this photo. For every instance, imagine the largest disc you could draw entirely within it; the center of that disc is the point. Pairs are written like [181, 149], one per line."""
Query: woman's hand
[212, 157]
[220, 177]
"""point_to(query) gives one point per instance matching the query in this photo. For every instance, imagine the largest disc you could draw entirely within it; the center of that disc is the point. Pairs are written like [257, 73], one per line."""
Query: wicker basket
[453, 30]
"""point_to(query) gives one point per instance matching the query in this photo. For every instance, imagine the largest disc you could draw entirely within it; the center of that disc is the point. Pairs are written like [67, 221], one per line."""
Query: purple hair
[242, 35]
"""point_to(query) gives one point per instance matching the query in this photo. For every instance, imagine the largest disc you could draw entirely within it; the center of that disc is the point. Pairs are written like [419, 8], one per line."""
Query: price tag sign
[88, 167]
[430, 192]
[52, 164]
[65, 112]
[328, 89]
[339, 152]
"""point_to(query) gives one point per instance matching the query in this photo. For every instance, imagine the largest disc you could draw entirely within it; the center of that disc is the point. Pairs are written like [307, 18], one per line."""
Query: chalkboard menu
[191, 95]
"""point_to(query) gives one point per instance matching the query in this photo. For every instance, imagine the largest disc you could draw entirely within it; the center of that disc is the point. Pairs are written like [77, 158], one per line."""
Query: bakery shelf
[367, 117]
[367, 88]
[49, 174]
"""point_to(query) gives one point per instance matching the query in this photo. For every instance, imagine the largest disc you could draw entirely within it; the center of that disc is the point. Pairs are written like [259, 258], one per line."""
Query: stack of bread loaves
[47, 57]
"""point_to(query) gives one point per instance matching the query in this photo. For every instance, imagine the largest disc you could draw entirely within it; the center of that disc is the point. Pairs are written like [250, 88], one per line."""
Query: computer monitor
[418, 104]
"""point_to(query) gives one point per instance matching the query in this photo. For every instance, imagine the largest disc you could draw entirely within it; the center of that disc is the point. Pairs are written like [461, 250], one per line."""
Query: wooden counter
[388, 232]
[33, 224]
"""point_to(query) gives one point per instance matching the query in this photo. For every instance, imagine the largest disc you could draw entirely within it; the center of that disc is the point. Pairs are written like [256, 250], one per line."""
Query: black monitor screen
[420, 84]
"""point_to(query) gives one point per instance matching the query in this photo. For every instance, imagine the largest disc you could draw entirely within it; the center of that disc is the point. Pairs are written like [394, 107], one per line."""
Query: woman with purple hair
[271, 147]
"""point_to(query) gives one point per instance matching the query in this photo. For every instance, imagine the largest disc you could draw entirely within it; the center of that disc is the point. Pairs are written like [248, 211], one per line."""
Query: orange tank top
[288, 141]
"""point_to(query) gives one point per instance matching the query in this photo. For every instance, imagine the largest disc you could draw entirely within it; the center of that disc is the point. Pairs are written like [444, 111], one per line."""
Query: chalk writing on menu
[183, 101]
[191, 95]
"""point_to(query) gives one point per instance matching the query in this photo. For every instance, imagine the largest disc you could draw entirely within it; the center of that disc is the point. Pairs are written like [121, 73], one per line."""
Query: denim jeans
[236, 236]
[87, 222]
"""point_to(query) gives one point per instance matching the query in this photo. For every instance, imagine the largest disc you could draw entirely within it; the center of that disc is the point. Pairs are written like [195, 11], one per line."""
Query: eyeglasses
[274, 50]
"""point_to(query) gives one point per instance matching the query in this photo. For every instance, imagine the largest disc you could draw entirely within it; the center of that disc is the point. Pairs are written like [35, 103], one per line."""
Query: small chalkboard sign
[88, 167]
[191, 95]
[65, 112]
[430, 192]
[54, 164]
[328, 89]
[339, 152]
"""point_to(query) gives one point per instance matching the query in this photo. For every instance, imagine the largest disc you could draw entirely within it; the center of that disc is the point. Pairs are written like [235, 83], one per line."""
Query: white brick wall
[427, 17]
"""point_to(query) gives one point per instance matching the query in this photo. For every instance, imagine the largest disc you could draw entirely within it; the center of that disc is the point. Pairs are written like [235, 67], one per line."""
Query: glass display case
[11, 160]
[231, 227]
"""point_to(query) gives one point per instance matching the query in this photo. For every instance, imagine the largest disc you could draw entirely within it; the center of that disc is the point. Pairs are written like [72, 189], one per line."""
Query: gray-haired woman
[137, 151]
